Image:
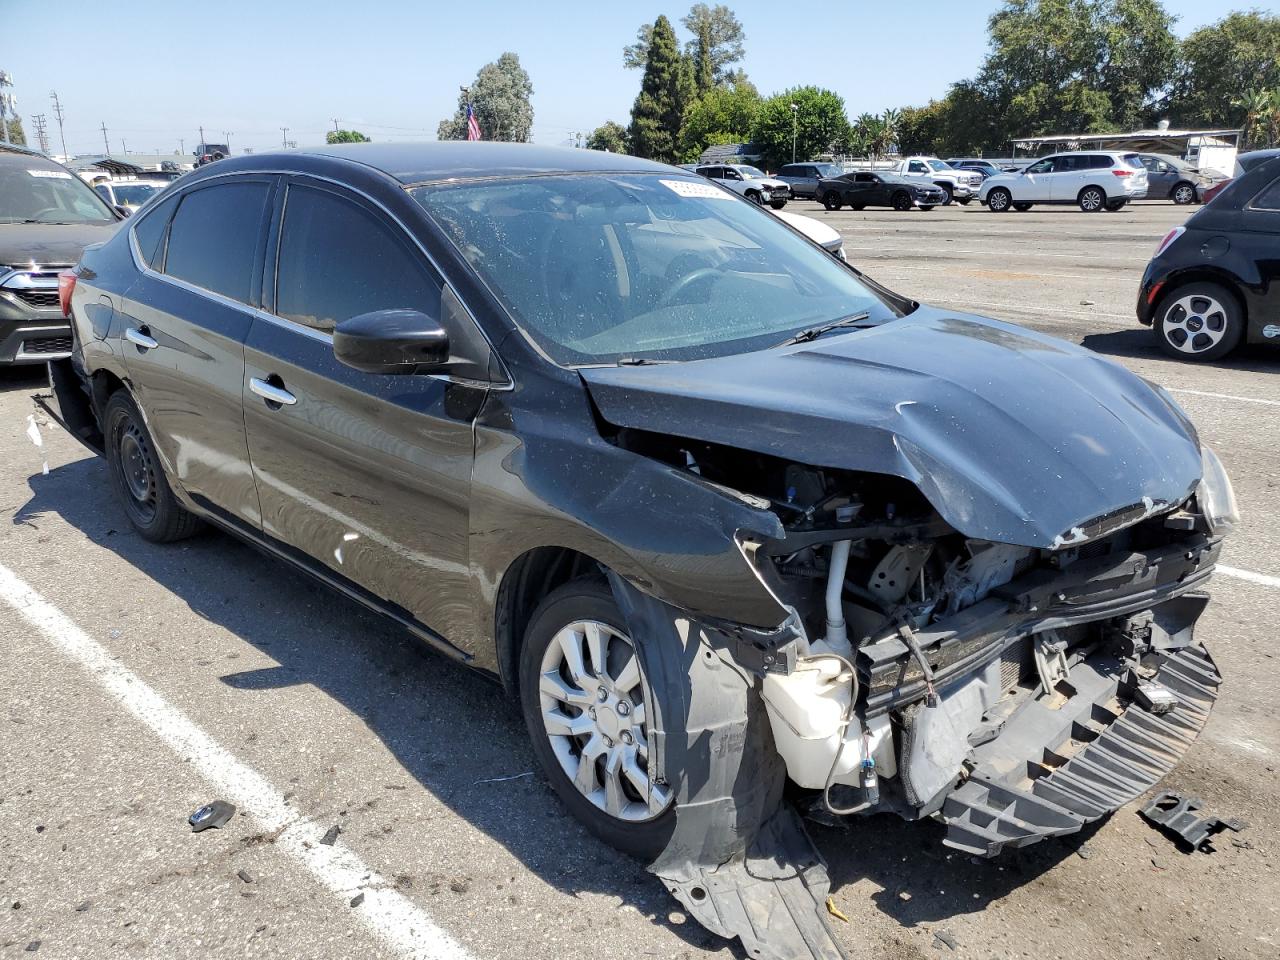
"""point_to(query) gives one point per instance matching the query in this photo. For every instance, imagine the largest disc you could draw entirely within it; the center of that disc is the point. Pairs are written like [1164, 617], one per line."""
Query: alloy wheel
[1195, 323]
[998, 200]
[1092, 200]
[594, 713]
[1184, 194]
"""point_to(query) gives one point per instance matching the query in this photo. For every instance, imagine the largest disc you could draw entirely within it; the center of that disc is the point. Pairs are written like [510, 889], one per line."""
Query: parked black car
[715, 508]
[48, 215]
[867, 189]
[1215, 281]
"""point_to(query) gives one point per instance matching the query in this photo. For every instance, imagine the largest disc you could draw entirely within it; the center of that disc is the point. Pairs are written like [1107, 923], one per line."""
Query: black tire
[777, 204]
[949, 191]
[965, 202]
[137, 477]
[926, 207]
[857, 206]
[901, 200]
[1092, 199]
[754, 197]
[1198, 311]
[1115, 206]
[831, 200]
[999, 200]
[581, 600]
[1022, 207]
[1183, 193]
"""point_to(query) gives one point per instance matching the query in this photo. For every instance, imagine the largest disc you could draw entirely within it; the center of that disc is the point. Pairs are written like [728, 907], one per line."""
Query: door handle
[140, 338]
[271, 393]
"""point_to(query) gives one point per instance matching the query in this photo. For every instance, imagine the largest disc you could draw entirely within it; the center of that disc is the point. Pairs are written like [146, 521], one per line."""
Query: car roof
[1254, 157]
[458, 159]
[15, 156]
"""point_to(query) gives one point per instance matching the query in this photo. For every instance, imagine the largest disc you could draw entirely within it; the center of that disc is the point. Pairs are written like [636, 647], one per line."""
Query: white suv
[1094, 181]
[748, 181]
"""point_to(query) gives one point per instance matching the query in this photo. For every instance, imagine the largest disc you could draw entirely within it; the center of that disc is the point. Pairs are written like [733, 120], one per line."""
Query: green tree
[723, 114]
[920, 128]
[656, 114]
[636, 55]
[500, 96]
[608, 136]
[718, 43]
[1219, 63]
[17, 135]
[345, 136]
[820, 124]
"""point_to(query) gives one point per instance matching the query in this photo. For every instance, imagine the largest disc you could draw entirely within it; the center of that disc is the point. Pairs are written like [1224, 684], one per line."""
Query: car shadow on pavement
[458, 735]
[1140, 344]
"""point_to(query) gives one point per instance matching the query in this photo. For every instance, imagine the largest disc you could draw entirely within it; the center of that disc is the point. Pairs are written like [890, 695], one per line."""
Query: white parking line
[389, 915]
[1050, 312]
[1261, 579]
[1223, 396]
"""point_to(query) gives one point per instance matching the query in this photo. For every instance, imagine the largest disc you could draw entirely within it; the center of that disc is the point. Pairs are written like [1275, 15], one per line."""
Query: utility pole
[335, 125]
[182, 145]
[795, 119]
[226, 139]
[106, 146]
[5, 101]
[201, 144]
[42, 135]
[284, 137]
[124, 147]
[57, 112]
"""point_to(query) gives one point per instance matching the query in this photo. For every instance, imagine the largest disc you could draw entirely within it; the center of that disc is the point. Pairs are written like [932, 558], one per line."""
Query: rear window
[1269, 198]
[1133, 160]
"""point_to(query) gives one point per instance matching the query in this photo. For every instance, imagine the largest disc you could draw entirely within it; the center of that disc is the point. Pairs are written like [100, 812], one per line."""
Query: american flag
[473, 125]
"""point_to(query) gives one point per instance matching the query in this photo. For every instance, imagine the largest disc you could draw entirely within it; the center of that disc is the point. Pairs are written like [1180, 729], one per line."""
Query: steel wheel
[138, 470]
[592, 701]
[1195, 323]
[1183, 194]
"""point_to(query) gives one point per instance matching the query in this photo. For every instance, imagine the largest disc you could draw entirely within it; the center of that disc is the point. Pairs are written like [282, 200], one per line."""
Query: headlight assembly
[1214, 495]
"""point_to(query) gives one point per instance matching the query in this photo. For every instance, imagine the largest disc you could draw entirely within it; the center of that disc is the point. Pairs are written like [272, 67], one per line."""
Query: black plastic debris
[331, 835]
[215, 814]
[357, 899]
[83, 906]
[245, 876]
[1179, 817]
[33, 946]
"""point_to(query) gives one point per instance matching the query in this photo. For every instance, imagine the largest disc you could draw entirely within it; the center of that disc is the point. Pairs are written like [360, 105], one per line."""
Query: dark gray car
[48, 216]
[1171, 178]
[804, 178]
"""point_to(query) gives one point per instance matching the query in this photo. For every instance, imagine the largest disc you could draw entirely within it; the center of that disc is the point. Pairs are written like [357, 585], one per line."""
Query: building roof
[1152, 141]
[731, 153]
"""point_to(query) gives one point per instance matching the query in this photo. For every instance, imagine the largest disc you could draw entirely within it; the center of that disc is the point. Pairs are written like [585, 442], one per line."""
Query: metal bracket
[1177, 815]
[1051, 659]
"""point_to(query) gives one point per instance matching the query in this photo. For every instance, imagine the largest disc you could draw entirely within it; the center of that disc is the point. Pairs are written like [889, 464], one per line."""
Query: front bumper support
[1104, 760]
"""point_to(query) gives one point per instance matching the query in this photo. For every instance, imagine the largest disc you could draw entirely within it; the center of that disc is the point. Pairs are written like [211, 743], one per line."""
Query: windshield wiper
[813, 333]
[638, 361]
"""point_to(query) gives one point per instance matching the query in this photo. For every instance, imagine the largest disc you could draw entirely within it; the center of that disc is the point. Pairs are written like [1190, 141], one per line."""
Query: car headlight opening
[1216, 498]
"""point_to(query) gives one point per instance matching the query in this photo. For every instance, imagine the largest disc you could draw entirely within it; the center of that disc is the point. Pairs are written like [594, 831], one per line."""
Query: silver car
[803, 178]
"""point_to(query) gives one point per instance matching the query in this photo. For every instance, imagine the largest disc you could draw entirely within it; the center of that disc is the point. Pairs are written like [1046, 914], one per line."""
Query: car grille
[37, 298]
[42, 345]
[36, 288]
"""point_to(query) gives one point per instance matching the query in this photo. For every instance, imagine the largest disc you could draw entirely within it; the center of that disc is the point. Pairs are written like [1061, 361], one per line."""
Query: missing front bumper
[1018, 795]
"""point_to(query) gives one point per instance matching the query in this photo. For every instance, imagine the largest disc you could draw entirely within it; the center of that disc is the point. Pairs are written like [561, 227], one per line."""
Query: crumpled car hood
[1013, 436]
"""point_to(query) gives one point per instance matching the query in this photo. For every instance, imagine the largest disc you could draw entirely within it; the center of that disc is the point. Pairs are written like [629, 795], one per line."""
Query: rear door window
[338, 260]
[1131, 160]
[1269, 198]
[213, 241]
[149, 231]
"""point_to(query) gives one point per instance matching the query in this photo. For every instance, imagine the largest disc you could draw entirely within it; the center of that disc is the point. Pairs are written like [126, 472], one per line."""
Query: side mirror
[391, 342]
[123, 210]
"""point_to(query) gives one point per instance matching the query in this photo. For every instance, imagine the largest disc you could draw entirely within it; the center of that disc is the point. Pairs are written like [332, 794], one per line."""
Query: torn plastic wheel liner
[1180, 817]
[738, 858]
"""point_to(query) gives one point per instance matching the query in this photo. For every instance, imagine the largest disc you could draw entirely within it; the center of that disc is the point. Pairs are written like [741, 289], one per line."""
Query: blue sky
[154, 72]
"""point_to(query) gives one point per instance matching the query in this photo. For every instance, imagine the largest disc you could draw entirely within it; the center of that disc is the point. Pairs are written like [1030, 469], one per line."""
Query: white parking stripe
[1049, 314]
[1261, 579]
[1223, 396]
[392, 917]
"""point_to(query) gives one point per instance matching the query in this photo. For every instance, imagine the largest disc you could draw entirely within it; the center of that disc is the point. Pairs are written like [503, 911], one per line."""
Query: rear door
[1070, 172]
[184, 326]
[367, 474]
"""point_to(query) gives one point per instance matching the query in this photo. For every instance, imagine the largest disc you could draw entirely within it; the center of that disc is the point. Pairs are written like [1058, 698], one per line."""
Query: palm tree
[871, 129]
[1258, 105]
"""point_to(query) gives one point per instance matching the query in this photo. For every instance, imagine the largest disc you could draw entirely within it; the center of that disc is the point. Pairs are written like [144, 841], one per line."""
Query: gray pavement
[353, 725]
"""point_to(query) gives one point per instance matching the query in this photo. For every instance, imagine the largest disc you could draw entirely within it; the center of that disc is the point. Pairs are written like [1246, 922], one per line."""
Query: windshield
[41, 194]
[598, 268]
[938, 165]
[751, 173]
[830, 169]
[134, 194]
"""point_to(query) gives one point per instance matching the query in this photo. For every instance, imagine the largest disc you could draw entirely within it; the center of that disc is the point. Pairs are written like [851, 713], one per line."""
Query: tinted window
[1043, 166]
[1130, 159]
[1101, 162]
[149, 230]
[214, 238]
[337, 261]
[1269, 198]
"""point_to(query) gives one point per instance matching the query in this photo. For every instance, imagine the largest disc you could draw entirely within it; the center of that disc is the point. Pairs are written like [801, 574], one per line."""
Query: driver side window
[1042, 166]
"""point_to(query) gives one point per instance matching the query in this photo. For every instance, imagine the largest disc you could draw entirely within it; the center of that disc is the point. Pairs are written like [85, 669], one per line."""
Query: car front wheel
[588, 710]
[1201, 321]
[999, 200]
[137, 478]
[1092, 199]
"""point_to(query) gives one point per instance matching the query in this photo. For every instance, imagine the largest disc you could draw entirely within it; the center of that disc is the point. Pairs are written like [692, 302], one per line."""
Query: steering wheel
[685, 282]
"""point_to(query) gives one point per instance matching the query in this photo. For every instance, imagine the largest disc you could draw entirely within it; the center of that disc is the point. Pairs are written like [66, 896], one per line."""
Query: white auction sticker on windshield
[687, 188]
[50, 174]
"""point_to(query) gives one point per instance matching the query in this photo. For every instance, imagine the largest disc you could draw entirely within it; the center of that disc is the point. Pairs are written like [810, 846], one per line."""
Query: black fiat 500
[1214, 282]
[719, 511]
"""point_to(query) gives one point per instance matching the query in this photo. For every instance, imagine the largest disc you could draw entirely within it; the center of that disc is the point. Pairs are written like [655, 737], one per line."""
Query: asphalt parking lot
[143, 681]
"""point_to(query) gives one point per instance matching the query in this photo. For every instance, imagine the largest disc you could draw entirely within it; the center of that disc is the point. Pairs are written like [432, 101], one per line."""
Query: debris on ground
[904, 896]
[944, 937]
[245, 876]
[518, 776]
[215, 814]
[836, 911]
[331, 835]
[357, 899]
[1084, 851]
[1179, 817]
[33, 946]
[83, 906]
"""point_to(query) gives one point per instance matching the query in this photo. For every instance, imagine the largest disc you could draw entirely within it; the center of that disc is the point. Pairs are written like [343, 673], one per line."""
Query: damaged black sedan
[729, 520]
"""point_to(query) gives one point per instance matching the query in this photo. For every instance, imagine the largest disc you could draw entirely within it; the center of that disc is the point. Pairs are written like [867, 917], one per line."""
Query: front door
[185, 323]
[367, 474]
[1036, 182]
